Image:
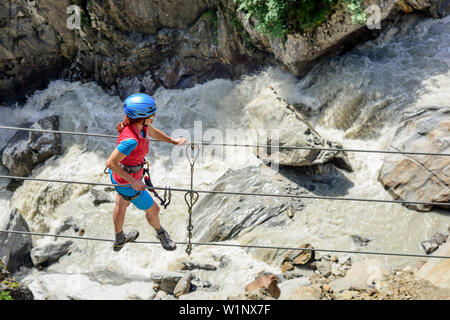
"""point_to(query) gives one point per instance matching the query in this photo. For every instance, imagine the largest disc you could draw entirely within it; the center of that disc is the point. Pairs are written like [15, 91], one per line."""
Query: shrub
[280, 17]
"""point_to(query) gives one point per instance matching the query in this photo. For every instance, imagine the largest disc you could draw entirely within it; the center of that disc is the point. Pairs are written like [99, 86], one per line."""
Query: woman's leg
[152, 215]
[119, 213]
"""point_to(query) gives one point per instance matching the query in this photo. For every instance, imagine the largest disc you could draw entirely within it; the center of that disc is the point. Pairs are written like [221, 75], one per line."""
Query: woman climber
[126, 166]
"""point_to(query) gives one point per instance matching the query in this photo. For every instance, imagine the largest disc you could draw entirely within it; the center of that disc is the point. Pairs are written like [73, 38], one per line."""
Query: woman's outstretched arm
[161, 136]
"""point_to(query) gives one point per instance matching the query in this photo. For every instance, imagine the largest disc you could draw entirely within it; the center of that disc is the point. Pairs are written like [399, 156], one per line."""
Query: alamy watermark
[374, 17]
[73, 22]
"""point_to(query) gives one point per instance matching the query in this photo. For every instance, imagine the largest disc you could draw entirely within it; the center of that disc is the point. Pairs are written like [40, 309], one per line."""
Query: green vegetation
[280, 17]
[355, 9]
[4, 295]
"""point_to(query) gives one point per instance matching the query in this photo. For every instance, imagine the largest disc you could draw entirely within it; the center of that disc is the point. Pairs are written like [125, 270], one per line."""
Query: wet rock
[148, 84]
[183, 286]
[171, 72]
[14, 248]
[25, 149]
[204, 285]
[419, 177]
[429, 246]
[433, 244]
[128, 86]
[301, 257]
[263, 286]
[362, 276]
[100, 197]
[48, 254]
[268, 110]
[192, 265]
[11, 287]
[221, 217]
[167, 281]
[360, 241]
[67, 224]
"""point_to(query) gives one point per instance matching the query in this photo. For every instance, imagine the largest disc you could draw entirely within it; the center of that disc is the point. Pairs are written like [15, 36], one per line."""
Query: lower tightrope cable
[243, 246]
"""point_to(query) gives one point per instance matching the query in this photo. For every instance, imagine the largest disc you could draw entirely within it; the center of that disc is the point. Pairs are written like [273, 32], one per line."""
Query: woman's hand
[138, 185]
[179, 141]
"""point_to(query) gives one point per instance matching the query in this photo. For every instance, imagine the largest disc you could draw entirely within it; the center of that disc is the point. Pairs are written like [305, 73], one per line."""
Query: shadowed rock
[26, 149]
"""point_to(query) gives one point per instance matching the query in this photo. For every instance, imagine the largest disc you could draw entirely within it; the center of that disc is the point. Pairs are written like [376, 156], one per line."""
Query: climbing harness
[193, 194]
[148, 182]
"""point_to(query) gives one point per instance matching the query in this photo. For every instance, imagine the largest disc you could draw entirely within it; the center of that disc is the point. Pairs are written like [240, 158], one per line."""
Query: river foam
[355, 99]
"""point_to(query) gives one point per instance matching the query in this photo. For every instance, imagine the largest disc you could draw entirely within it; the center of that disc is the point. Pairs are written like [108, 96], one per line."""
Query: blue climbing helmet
[139, 105]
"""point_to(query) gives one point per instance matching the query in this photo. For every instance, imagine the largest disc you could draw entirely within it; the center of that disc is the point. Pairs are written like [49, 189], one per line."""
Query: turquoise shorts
[143, 202]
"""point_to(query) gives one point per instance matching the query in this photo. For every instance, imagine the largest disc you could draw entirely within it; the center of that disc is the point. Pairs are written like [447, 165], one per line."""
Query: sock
[161, 230]
[120, 237]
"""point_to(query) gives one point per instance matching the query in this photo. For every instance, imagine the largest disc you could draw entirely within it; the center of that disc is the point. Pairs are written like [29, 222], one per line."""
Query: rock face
[140, 45]
[12, 289]
[48, 254]
[288, 125]
[31, 50]
[14, 248]
[420, 177]
[25, 149]
[264, 286]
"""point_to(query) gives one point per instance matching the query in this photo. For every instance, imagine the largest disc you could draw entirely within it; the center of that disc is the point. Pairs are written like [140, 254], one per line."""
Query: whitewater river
[356, 99]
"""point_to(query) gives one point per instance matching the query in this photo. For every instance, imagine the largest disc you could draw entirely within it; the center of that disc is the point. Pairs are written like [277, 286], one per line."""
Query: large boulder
[420, 177]
[45, 255]
[31, 50]
[223, 217]
[26, 149]
[14, 248]
[281, 123]
[219, 217]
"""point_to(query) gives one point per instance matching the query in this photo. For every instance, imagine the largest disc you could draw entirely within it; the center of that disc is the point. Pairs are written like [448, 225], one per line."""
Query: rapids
[356, 99]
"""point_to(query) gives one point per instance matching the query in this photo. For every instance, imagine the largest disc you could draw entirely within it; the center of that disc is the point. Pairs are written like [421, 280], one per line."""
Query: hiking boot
[129, 237]
[165, 240]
